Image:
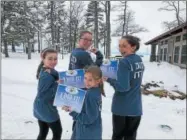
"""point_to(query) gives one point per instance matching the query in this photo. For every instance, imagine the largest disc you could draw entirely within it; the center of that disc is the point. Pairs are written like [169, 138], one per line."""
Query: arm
[99, 58]
[122, 83]
[45, 82]
[70, 63]
[91, 113]
[55, 74]
[87, 60]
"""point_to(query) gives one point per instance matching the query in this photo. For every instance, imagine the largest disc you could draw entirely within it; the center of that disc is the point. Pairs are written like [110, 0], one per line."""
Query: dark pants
[73, 125]
[125, 127]
[44, 128]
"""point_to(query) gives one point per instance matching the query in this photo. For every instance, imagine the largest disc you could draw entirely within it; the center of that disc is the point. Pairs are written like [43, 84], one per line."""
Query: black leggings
[125, 127]
[44, 128]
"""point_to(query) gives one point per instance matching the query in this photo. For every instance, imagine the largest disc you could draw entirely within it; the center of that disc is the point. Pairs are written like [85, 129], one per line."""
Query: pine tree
[91, 18]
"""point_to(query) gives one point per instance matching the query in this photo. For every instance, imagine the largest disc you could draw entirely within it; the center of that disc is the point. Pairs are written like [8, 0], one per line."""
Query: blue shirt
[43, 103]
[80, 58]
[89, 123]
[127, 99]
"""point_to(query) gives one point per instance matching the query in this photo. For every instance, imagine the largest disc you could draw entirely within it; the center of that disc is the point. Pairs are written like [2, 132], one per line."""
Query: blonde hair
[97, 74]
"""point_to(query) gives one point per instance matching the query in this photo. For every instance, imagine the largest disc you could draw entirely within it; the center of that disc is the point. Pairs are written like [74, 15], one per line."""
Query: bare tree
[124, 3]
[74, 19]
[176, 7]
[78, 13]
[126, 21]
[128, 26]
[169, 25]
[107, 30]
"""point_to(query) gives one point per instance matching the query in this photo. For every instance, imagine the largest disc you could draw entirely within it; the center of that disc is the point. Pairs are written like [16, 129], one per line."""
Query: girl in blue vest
[44, 110]
[88, 123]
[127, 101]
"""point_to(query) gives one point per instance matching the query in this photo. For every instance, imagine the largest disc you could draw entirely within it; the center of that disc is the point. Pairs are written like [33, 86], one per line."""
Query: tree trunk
[62, 49]
[24, 48]
[58, 39]
[104, 46]
[55, 30]
[96, 26]
[29, 49]
[52, 23]
[177, 13]
[62, 53]
[124, 21]
[6, 48]
[105, 34]
[39, 42]
[70, 40]
[75, 34]
[39, 29]
[27, 31]
[74, 40]
[108, 29]
[33, 49]
[13, 47]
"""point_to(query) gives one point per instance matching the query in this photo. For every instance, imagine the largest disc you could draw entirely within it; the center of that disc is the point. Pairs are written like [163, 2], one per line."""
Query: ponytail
[101, 86]
[39, 69]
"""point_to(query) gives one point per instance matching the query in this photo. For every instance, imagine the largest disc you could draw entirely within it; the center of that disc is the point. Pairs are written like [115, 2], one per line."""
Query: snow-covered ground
[19, 90]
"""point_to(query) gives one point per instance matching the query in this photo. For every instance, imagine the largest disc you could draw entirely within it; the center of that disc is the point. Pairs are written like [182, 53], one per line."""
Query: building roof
[167, 34]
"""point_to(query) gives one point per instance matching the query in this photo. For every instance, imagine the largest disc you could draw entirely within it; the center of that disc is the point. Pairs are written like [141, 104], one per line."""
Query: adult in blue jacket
[44, 110]
[127, 101]
[79, 57]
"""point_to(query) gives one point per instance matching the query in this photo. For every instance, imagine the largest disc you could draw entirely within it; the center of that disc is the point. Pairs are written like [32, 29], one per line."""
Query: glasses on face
[85, 39]
[51, 58]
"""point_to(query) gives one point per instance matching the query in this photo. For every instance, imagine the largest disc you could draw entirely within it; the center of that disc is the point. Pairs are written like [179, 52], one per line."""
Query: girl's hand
[48, 70]
[66, 108]
[60, 81]
[93, 50]
[105, 78]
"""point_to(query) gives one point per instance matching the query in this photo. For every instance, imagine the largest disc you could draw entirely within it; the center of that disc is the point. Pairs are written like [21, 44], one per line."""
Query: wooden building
[170, 46]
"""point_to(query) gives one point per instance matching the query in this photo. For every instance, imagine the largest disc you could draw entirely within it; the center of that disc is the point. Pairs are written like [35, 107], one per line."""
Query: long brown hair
[133, 41]
[97, 74]
[43, 55]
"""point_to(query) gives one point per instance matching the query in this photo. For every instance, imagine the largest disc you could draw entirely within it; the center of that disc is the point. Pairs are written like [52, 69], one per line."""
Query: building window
[161, 43]
[183, 54]
[166, 42]
[184, 37]
[177, 39]
[176, 54]
[161, 52]
[165, 54]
